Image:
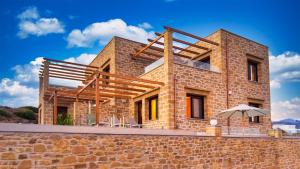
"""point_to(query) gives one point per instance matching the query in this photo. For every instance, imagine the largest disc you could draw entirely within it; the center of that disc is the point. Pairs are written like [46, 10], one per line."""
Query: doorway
[62, 113]
[139, 112]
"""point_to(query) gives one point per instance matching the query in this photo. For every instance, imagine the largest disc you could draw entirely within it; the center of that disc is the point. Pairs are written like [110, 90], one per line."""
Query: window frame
[250, 65]
[255, 119]
[150, 106]
[205, 60]
[106, 69]
[202, 99]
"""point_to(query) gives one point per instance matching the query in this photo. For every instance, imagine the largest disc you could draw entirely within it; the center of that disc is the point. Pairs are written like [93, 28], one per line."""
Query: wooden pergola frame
[97, 86]
[149, 48]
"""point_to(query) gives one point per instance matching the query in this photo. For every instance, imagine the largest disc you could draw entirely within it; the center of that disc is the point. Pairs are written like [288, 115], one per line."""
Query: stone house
[199, 80]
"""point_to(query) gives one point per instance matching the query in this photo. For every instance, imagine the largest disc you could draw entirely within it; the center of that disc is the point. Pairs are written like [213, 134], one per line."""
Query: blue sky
[66, 29]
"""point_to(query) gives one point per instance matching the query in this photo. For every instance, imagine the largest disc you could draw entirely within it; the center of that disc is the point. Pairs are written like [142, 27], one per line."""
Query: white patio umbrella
[242, 110]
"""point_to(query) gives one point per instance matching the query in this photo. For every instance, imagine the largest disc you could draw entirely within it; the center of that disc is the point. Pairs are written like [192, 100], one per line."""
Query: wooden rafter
[54, 65]
[202, 54]
[192, 36]
[176, 47]
[66, 75]
[126, 83]
[150, 53]
[68, 78]
[187, 43]
[66, 62]
[177, 54]
[132, 78]
[151, 43]
[87, 85]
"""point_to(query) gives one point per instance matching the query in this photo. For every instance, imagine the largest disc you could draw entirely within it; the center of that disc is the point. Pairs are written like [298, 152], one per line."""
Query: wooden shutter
[153, 109]
[188, 107]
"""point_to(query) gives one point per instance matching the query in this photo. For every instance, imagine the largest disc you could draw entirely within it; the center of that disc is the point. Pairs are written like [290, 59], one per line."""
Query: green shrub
[64, 121]
[29, 115]
[4, 113]
[33, 109]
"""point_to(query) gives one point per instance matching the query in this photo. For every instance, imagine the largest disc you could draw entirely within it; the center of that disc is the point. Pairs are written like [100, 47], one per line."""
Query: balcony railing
[183, 61]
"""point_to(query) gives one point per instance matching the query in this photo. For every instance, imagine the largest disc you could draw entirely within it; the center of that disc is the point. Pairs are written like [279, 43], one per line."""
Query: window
[107, 70]
[194, 106]
[153, 108]
[205, 60]
[254, 119]
[252, 71]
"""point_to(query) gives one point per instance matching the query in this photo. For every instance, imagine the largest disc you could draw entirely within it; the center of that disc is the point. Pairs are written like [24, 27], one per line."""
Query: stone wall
[144, 151]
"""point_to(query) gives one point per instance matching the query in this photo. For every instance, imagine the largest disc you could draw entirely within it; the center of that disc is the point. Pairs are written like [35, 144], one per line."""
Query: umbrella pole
[243, 121]
[228, 124]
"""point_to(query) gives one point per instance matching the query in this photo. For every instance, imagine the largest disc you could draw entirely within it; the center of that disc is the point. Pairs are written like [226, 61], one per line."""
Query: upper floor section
[223, 52]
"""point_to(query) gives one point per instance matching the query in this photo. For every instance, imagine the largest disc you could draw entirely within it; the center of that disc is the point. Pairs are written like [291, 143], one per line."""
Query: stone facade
[222, 89]
[27, 150]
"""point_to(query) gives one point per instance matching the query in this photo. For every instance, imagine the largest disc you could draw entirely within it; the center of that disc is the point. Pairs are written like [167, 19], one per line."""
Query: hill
[289, 122]
[26, 114]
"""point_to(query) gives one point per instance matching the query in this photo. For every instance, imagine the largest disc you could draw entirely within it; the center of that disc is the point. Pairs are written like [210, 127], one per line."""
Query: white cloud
[275, 84]
[284, 68]
[84, 58]
[102, 32]
[286, 109]
[28, 72]
[31, 24]
[14, 88]
[14, 94]
[29, 13]
[145, 25]
[22, 89]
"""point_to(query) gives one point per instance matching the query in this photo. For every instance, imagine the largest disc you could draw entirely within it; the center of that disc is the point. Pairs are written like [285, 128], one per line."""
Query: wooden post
[55, 108]
[46, 75]
[97, 99]
[75, 110]
[169, 75]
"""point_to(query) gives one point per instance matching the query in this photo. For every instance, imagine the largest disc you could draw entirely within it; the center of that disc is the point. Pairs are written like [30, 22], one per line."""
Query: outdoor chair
[91, 119]
[104, 123]
[116, 122]
[133, 123]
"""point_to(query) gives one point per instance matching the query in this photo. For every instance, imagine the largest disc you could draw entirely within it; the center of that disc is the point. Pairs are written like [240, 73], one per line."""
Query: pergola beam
[192, 36]
[127, 77]
[202, 54]
[66, 62]
[150, 53]
[176, 47]
[187, 43]
[67, 78]
[126, 83]
[72, 67]
[177, 54]
[148, 45]
[87, 85]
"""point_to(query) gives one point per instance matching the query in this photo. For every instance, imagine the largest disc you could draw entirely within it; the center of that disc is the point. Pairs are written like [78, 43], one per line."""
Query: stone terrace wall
[146, 151]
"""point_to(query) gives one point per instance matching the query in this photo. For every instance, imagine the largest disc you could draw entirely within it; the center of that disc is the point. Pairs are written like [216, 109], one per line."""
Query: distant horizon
[36, 29]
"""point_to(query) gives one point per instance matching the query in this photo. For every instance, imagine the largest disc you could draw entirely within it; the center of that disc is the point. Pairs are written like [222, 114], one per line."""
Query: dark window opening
[139, 112]
[252, 71]
[153, 108]
[255, 119]
[205, 60]
[107, 70]
[62, 112]
[195, 106]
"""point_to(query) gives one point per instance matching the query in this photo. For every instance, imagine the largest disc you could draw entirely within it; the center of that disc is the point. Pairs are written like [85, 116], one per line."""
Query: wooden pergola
[96, 85]
[189, 52]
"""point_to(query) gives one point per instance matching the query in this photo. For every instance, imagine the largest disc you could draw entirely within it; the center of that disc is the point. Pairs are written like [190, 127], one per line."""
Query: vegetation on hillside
[26, 114]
